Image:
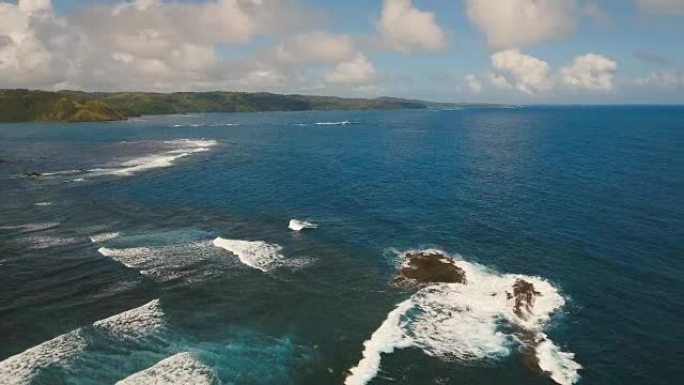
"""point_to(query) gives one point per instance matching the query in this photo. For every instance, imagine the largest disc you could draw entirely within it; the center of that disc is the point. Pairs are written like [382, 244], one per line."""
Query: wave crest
[141, 321]
[103, 237]
[341, 123]
[189, 261]
[258, 254]
[173, 151]
[560, 365]
[299, 225]
[131, 325]
[179, 369]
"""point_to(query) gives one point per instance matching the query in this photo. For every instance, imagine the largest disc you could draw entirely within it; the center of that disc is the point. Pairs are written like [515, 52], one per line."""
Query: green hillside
[144, 103]
[75, 106]
[42, 106]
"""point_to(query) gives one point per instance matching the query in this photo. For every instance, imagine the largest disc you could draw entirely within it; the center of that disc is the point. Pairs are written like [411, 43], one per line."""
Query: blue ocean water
[587, 198]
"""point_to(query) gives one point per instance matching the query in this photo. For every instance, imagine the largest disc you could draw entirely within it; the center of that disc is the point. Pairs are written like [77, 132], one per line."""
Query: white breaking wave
[43, 204]
[175, 150]
[342, 123]
[560, 365]
[207, 125]
[131, 257]
[386, 339]
[103, 237]
[180, 369]
[20, 369]
[258, 254]
[144, 163]
[138, 322]
[183, 148]
[462, 322]
[298, 225]
[190, 125]
[189, 261]
[65, 172]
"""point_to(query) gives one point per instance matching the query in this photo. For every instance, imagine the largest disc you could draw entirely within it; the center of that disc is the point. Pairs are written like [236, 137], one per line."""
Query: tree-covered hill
[42, 106]
[75, 106]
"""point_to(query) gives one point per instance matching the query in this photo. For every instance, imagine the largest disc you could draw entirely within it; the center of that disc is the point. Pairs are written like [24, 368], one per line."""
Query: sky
[499, 51]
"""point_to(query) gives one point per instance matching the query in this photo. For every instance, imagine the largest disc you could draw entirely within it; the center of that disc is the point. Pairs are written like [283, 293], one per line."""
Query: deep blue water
[589, 198]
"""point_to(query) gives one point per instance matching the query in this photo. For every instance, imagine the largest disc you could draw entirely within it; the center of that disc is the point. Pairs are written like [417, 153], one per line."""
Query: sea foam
[258, 254]
[21, 368]
[206, 125]
[131, 325]
[139, 322]
[180, 149]
[388, 337]
[103, 237]
[180, 369]
[560, 365]
[170, 152]
[299, 225]
[188, 261]
[341, 123]
[462, 322]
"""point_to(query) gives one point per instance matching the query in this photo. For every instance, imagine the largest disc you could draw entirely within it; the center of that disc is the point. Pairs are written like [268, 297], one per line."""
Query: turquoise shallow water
[588, 198]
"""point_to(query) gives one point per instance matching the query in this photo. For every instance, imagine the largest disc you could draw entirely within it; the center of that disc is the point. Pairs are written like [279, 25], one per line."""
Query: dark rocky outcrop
[524, 296]
[429, 267]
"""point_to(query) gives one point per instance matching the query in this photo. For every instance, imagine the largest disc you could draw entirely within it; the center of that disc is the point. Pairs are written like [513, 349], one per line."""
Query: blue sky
[514, 51]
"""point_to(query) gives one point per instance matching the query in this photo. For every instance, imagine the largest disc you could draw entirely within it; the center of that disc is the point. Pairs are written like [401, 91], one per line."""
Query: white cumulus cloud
[405, 28]
[355, 71]
[517, 23]
[589, 72]
[27, 51]
[515, 70]
[153, 44]
[524, 72]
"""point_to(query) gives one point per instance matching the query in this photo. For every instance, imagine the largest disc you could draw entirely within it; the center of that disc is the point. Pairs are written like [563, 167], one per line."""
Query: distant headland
[22, 105]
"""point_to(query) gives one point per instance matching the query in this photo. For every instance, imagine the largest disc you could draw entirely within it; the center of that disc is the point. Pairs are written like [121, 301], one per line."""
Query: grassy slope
[42, 106]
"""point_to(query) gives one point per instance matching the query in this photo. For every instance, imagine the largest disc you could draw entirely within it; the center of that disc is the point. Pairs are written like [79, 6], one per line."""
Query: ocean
[161, 249]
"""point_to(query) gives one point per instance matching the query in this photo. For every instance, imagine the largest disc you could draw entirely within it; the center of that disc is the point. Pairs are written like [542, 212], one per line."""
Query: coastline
[78, 107]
